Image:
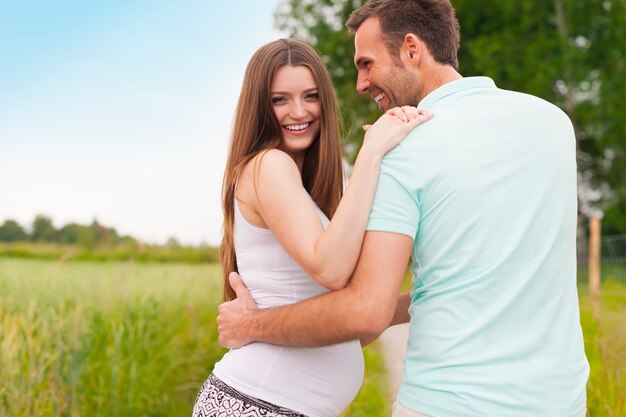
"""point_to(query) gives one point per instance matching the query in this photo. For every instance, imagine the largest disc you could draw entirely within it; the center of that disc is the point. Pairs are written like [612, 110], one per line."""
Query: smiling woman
[283, 183]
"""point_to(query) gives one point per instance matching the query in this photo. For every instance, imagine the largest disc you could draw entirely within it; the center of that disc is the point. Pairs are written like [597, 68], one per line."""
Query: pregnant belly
[314, 381]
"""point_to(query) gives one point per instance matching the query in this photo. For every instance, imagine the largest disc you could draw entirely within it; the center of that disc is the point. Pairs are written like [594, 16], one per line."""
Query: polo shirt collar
[454, 87]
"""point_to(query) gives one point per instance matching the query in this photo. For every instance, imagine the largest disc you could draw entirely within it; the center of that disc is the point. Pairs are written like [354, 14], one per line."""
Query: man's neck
[438, 76]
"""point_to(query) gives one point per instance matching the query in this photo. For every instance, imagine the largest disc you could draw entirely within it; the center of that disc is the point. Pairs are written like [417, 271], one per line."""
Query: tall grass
[87, 339]
[138, 339]
[117, 339]
[605, 346]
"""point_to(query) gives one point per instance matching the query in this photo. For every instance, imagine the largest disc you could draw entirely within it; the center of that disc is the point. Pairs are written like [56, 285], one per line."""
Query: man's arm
[363, 309]
[400, 316]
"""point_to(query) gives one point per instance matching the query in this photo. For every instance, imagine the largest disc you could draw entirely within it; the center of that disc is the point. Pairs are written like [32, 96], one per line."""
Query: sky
[121, 111]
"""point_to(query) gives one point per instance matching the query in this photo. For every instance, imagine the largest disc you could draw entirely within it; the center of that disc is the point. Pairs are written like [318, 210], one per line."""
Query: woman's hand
[393, 126]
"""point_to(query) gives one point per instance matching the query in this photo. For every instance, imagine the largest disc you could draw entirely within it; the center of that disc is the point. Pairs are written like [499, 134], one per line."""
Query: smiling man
[483, 199]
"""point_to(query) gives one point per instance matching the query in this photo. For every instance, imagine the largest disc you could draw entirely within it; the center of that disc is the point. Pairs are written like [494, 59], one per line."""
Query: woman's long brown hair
[256, 128]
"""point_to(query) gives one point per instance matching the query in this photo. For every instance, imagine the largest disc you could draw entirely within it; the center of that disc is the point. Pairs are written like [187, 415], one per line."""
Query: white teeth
[379, 97]
[297, 127]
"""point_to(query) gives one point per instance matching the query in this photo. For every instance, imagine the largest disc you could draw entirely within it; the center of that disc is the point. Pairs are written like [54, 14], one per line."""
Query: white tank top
[318, 382]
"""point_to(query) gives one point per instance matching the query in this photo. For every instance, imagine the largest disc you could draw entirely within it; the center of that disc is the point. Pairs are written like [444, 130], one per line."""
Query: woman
[283, 182]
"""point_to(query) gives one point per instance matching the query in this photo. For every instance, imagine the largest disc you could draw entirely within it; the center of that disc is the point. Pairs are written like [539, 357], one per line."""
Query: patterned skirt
[216, 399]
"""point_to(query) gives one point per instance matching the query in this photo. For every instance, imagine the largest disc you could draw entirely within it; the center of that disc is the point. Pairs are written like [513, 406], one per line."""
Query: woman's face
[296, 102]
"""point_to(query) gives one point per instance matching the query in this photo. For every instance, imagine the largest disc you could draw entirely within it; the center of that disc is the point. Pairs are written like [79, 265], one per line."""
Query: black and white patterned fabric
[216, 399]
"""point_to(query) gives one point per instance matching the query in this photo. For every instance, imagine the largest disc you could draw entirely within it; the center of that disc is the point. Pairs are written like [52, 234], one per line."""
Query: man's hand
[365, 307]
[231, 314]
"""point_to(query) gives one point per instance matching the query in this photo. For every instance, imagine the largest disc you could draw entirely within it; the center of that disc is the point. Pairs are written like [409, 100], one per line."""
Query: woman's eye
[313, 96]
[276, 100]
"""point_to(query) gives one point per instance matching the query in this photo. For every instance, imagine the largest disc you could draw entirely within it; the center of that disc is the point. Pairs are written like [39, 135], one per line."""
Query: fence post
[595, 226]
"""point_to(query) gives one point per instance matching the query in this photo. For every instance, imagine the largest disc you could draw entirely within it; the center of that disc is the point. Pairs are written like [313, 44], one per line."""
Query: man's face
[386, 79]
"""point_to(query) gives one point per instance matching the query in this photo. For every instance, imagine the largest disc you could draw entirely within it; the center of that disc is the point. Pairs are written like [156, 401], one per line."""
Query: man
[483, 198]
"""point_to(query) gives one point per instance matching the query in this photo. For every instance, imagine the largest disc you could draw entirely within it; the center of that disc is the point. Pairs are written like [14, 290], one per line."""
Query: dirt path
[393, 342]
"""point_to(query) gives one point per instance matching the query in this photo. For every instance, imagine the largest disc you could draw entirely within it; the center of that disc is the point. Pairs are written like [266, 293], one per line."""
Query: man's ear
[412, 47]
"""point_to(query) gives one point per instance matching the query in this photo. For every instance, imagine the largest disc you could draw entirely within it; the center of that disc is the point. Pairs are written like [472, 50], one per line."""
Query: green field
[118, 339]
[605, 345]
[138, 339]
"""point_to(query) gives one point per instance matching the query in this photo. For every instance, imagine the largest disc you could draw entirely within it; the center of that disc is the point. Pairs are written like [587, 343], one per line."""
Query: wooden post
[595, 226]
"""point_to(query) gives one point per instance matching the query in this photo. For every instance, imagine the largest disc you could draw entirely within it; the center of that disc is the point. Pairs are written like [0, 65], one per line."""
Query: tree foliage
[92, 242]
[569, 52]
[43, 230]
[11, 231]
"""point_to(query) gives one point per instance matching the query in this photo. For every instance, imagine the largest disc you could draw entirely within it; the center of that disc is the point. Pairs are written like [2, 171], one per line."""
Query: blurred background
[120, 111]
[114, 122]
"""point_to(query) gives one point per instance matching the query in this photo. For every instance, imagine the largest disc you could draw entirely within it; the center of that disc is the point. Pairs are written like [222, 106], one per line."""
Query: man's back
[487, 190]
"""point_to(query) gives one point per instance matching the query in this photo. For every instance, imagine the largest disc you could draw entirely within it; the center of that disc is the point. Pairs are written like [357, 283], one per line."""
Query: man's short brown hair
[433, 21]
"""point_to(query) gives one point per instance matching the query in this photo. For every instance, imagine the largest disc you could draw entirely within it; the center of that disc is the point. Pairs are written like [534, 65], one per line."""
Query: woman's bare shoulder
[270, 166]
[275, 158]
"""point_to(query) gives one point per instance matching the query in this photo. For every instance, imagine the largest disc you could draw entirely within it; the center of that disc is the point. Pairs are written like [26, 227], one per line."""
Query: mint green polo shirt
[487, 192]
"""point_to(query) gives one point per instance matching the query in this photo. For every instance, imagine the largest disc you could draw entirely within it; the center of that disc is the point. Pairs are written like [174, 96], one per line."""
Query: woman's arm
[330, 255]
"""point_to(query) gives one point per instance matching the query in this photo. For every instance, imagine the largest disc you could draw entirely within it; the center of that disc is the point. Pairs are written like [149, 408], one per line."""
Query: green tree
[11, 231]
[43, 230]
[96, 235]
[569, 52]
[69, 233]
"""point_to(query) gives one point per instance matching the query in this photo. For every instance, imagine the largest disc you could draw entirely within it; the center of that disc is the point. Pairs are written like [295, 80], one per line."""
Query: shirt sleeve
[395, 208]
